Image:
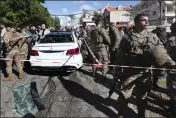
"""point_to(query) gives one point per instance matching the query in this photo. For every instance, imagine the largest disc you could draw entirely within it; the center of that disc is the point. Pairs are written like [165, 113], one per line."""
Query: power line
[87, 12]
[67, 14]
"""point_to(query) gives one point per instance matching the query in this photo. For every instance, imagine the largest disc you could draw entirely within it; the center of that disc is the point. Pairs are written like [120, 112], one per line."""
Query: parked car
[57, 51]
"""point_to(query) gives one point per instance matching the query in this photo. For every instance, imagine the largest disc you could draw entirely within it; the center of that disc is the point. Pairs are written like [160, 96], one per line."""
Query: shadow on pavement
[3, 68]
[46, 73]
[156, 105]
[47, 98]
[164, 105]
[161, 90]
[95, 100]
[99, 79]
[15, 72]
[29, 115]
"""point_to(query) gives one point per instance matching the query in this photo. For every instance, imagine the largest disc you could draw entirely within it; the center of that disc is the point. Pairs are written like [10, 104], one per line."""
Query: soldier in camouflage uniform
[115, 41]
[100, 42]
[23, 47]
[11, 41]
[140, 48]
[171, 78]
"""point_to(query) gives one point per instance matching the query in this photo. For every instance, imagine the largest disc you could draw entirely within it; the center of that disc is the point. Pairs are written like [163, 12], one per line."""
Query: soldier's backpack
[151, 50]
[96, 37]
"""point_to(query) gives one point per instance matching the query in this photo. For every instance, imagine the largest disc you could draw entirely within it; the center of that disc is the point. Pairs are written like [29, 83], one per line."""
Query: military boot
[20, 75]
[9, 78]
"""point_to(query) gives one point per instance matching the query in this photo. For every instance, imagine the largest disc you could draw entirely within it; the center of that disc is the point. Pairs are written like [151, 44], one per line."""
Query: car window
[57, 38]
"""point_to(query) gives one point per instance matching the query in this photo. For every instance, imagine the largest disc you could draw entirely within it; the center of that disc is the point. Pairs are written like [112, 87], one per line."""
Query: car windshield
[57, 38]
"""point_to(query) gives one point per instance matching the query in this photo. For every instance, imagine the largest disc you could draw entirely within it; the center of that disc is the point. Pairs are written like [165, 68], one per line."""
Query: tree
[98, 16]
[24, 12]
[56, 22]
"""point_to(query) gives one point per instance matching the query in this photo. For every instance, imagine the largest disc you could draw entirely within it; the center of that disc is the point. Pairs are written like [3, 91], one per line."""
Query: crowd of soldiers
[139, 47]
[16, 44]
[120, 45]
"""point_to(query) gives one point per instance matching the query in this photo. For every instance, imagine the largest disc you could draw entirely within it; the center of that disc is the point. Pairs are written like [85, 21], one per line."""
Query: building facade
[119, 14]
[152, 8]
[87, 17]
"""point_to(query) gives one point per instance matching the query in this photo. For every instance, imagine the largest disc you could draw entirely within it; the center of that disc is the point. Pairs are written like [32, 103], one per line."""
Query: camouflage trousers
[171, 85]
[104, 60]
[13, 54]
[113, 56]
[103, 57]
[23, 57]
[136, 86]
[23, 53]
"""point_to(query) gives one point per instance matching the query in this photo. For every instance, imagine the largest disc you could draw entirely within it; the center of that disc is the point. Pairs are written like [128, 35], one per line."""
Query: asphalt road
[76, 95]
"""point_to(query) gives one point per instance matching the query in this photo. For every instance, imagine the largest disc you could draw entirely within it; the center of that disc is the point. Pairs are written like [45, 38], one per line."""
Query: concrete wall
[119, 16]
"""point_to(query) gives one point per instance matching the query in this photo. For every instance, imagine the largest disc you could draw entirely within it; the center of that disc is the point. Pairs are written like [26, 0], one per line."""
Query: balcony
[169, 2]
[168, 14]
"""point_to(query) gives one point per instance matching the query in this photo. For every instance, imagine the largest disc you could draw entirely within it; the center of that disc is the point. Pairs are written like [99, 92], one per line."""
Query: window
[57, 38]
[170, 8]
[154, 13]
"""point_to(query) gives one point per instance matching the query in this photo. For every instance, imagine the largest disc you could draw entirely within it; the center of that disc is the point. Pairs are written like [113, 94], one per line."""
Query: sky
[71, 7]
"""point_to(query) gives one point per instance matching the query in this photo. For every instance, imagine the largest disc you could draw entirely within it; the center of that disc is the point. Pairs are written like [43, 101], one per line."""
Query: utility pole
[175, 9]
[0, 50]
[160, 3]
[160, 14]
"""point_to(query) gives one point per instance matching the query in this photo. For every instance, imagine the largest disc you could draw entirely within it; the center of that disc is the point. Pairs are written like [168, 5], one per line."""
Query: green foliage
[25, 12]
[56, 22]
[97, 16]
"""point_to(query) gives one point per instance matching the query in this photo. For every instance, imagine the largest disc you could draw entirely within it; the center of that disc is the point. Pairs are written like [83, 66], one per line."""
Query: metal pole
[175, 10]
[0, 50]
[160, 14]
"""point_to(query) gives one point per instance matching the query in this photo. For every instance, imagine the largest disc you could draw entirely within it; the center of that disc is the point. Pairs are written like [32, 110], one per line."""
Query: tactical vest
[13, 44]
[145, 51]
[97, 38]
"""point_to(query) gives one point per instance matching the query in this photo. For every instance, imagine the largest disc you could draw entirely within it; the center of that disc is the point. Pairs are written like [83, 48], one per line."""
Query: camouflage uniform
[11, 41]
[23, 48]
[115, 41]
[100, 42]
[88, 40]
[144, 49]
[171, 78]
[83, 33]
